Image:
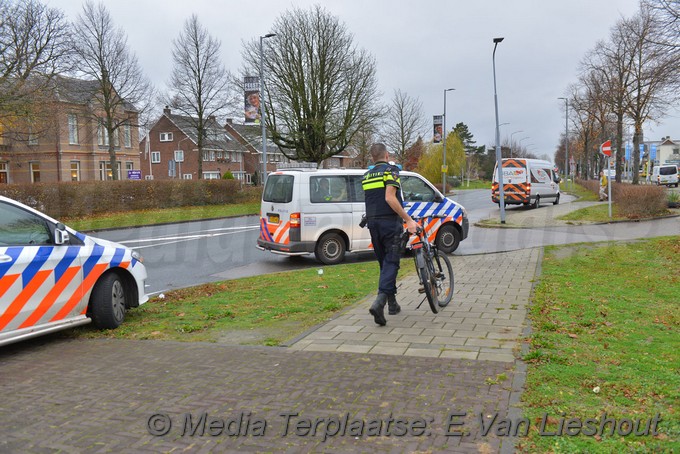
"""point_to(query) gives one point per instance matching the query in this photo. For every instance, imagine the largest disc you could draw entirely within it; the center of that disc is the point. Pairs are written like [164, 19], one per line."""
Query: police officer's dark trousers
[386, 239]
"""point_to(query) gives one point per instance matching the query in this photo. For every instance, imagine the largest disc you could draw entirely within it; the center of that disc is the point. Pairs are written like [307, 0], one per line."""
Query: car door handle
[5, 258]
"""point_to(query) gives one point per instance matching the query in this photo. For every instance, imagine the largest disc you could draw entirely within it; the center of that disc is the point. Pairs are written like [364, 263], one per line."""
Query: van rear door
[515, 187]
[277, 210]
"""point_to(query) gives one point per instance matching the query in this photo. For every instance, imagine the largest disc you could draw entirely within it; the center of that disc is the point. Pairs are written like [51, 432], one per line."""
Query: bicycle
[434, 269]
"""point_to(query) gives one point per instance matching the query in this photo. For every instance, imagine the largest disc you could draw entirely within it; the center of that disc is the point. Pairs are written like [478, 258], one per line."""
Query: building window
[75, 170]
[127, 134]
[208, 155]
[211, 175]
[73, 129]
[4, 173]
[187, 176]
[155, 157]
[129, 165]
[32, 136]
[105, 170]
[102, 135]
[165, 137]
[35, 172]
[116, 139]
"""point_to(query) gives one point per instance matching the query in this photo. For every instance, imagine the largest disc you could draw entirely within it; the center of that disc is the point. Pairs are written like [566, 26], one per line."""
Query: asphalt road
[182, 255]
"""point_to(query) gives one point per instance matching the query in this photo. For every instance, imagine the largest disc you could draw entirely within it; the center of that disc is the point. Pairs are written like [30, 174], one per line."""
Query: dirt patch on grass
[272, 335]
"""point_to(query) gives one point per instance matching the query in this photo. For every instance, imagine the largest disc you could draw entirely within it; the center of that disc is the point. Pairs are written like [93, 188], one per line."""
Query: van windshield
[279, 189]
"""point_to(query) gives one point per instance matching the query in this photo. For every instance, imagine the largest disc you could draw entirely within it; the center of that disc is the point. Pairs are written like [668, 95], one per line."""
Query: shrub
[633, 201]
[228, 175]
[79, 199]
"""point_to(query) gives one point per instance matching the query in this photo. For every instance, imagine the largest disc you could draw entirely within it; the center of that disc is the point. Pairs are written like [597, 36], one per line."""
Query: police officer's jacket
[374, 183]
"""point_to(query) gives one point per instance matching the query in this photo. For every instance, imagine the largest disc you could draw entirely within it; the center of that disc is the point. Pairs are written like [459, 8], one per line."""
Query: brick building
[173, 152]
[67, 142]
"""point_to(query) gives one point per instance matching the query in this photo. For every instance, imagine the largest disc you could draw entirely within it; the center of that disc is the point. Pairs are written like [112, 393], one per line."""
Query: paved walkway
[483, 321]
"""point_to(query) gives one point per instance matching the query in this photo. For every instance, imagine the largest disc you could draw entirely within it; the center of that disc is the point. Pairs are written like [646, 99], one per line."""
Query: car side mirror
[438, 198]
[61, 234]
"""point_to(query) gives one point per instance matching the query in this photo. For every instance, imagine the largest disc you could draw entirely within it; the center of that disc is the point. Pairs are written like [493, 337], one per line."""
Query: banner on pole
[652, 152]
[628, 150]
[437, 121]
[251, 97]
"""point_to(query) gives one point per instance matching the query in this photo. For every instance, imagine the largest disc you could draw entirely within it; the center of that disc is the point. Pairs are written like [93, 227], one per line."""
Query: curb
[129, 227]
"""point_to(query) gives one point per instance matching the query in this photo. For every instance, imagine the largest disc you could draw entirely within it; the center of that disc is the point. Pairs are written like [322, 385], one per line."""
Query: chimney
[166, 111]
[230, 121]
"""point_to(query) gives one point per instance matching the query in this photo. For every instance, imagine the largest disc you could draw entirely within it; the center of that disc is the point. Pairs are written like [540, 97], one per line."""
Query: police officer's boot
[393, 307]
[377, 309]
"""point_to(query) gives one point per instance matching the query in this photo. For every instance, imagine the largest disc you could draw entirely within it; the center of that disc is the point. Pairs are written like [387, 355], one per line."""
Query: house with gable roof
[172, 151]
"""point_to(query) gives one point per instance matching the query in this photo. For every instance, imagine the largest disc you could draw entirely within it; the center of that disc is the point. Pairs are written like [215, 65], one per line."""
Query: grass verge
[595, 213]
[260, 310]
[605, 339]
[169, 215]
[582, 193]
[474, 184]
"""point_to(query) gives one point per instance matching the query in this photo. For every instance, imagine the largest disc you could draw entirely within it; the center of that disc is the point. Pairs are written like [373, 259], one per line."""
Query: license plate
[273, 218]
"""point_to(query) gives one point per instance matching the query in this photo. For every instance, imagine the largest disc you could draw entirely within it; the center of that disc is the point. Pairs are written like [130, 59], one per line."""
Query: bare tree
[655, 81]
[34, 47]
[404, 123]
[199, 83]
[319, 88]
[123, 90]
[667, 16]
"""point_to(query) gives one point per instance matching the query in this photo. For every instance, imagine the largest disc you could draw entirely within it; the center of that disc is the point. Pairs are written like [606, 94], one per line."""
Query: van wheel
[557, 200]
[448, 238]
[107, 302]
[537, 202]
[330, 249]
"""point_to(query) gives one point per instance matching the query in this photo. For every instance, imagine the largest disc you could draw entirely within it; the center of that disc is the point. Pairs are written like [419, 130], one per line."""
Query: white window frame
[75, 169]
[102, 135]
[4, 170]
[73, 129]
[155, 157]
[165, 137]
[211, 175]
[32, 169]
[105, 169]
[187, 176]
[179, 155]
[127, 135]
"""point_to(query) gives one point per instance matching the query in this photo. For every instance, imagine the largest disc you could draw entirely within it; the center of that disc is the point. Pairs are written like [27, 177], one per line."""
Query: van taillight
[528, 188]
[295, 220]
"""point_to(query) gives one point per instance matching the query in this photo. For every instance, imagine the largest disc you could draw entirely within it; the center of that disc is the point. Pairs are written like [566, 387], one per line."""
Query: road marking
[165, 240]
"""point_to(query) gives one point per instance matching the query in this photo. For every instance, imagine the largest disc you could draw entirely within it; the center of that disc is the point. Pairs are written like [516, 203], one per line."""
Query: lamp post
[566, 139]
[511, 142]
[262, 114]
[499, 160]
[444, 166]
[519, 144]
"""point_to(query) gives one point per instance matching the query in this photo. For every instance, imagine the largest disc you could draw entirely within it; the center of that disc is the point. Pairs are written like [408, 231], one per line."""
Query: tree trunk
[620, 152]
[637, 140]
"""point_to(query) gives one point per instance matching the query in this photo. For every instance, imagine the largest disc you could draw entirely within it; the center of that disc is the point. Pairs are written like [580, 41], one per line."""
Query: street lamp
[444, 166]
[566, 139]
[511, 142]
[499, 160]
[262, 113]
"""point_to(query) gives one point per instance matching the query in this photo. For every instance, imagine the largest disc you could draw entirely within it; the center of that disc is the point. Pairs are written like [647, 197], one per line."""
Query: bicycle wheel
[427, 279]
[443, 279]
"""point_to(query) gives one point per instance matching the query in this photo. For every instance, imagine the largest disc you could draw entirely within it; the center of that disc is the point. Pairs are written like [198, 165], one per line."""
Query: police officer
[386, 216]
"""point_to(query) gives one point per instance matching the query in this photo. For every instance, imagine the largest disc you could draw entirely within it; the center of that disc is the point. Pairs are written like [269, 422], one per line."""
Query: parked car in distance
[665, 174]
[306, 211]
[53, 278]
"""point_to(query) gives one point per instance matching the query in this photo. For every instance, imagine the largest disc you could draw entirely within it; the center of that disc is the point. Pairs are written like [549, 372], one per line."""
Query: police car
[52, 277]
[306, 211]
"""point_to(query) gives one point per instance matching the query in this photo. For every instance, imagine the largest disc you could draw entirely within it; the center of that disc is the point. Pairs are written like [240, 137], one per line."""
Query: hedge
[633, 201]
[78, 199]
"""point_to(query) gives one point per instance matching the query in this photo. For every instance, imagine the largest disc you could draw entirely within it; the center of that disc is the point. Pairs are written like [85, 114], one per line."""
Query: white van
[527, 181]
[665, 174]
[307, 211]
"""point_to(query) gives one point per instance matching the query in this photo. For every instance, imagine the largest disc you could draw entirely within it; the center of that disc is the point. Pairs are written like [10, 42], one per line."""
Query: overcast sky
[421, 47]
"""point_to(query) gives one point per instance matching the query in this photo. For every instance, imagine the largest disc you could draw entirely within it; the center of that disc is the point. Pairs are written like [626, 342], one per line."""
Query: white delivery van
[526, 181]
[665, 174]
[307, 211]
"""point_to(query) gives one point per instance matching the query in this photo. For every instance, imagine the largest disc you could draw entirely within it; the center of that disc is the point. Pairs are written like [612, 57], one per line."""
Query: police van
[52, 277]
[526, 182]
[318, 211]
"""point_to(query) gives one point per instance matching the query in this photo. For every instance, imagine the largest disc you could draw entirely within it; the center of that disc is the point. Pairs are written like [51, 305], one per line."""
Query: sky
[421, 48]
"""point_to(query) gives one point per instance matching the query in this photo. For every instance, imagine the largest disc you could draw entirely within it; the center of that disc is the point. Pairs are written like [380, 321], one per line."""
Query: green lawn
[606, 339]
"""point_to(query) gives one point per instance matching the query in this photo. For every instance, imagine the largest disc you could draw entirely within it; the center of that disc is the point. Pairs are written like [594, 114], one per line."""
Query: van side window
[357, 188]
[19, 227]
[416, 190]
[325, 189]
[540, 175]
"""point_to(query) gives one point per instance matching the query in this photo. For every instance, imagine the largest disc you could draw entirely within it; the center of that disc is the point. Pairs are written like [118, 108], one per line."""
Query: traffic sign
[606, 148]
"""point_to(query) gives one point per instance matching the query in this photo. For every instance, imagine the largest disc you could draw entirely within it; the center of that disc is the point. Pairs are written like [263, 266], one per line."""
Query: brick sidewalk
[98, 395]
[483, 321]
